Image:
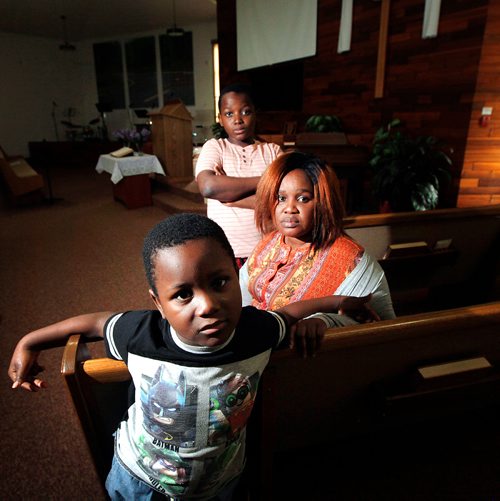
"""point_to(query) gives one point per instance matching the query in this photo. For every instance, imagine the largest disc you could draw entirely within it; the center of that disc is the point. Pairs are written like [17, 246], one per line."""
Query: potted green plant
[323, 123]
[408, 173]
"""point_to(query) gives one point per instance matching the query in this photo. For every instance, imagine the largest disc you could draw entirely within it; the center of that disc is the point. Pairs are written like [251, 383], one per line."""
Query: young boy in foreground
[195, 362]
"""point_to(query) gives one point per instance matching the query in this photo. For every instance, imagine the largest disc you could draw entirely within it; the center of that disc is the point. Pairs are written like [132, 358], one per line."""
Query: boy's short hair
[238, 88]
[177, 230]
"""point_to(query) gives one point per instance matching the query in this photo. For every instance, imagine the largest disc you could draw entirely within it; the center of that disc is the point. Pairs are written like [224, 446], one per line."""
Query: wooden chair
[4, 156]
[19, 177]
[99, 391]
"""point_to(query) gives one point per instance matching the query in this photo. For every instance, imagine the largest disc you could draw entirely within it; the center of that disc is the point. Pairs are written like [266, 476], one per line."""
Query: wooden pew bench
[460, 265]
[98, 388]
[362, 381]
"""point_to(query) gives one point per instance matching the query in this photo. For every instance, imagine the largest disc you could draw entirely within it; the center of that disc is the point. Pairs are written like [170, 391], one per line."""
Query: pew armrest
[98, 389]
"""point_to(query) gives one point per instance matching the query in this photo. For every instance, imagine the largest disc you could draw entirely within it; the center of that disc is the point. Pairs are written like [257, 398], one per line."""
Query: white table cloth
[128, 166]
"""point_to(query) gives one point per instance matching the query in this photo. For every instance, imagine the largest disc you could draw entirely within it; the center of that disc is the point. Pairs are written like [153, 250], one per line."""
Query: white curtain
[431, 18]
[345, 32]
[273, 31]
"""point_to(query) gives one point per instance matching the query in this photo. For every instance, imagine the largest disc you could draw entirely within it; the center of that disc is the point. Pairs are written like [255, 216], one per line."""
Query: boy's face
[237, 116]
[198, 291]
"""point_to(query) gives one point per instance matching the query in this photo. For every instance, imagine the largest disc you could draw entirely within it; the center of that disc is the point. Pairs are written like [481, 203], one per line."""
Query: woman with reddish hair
[305, 252]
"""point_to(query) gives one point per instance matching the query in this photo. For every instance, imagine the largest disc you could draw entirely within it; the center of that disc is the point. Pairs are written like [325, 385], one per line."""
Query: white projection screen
[274, 31]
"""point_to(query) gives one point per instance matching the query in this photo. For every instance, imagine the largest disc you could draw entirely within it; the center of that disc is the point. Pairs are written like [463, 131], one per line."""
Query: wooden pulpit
[172, 139]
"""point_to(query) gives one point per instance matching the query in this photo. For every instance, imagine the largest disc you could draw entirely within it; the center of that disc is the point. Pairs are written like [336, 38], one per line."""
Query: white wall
[36, 74]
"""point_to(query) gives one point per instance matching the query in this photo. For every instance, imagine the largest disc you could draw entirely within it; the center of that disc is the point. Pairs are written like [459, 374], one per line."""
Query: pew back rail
[461, 266]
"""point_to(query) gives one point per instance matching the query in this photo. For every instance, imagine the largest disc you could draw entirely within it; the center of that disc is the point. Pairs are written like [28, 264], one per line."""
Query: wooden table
[131, 177]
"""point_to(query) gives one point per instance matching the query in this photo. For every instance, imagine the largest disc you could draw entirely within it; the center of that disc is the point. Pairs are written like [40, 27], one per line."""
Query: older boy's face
[198, 291]
[237, 116]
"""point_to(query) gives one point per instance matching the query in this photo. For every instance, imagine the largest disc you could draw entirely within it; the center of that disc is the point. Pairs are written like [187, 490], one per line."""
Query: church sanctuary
[105, 109]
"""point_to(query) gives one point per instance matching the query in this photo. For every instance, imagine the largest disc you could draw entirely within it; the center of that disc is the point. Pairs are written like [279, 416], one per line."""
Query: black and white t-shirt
[185, 431]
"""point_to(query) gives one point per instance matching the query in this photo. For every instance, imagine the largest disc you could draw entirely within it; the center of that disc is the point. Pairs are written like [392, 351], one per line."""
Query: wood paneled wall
[429, 84]
[480, 179]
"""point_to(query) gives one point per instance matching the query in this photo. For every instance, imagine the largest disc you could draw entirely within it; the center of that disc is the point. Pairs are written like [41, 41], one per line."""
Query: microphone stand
[54, 105]
[51, 200]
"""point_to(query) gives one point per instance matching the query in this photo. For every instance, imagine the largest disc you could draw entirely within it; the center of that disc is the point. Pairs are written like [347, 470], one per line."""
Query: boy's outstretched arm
[24, 368]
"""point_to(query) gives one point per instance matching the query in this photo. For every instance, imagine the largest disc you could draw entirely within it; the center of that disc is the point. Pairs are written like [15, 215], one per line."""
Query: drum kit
[75, 132]
[94, 130]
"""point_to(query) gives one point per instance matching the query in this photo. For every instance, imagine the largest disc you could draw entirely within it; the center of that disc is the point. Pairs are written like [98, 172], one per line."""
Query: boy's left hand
[307, 336]
[24, 369]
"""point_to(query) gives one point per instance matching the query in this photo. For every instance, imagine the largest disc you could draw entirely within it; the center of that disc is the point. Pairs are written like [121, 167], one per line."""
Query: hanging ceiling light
[65, 45]
[175, 31]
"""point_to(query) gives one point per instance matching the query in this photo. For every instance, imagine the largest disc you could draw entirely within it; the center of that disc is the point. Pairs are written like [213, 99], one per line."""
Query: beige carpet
[80, 254]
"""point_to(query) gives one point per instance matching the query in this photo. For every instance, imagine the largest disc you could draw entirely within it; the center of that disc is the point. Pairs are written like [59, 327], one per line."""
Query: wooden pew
[98, 389]
[465, 270]
[361, 381]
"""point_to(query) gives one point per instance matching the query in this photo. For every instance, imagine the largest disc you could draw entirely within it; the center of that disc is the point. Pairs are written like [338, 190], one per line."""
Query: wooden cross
[382, 48]
[429, 30]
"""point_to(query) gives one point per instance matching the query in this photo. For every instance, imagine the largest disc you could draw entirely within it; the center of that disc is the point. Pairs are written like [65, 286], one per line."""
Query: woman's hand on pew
[358, 309]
